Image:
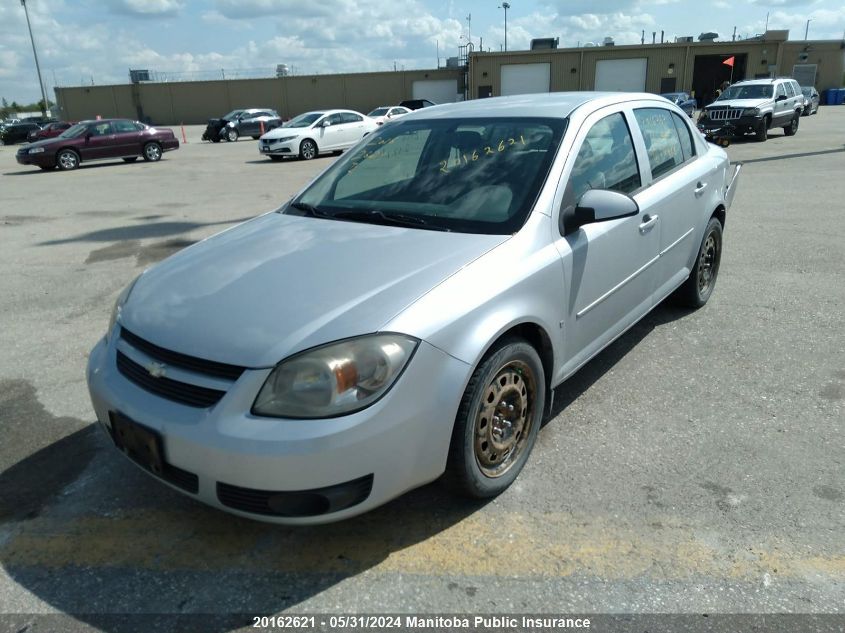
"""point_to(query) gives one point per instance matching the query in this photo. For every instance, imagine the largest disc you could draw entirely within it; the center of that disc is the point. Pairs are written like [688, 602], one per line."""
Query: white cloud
[147, 8]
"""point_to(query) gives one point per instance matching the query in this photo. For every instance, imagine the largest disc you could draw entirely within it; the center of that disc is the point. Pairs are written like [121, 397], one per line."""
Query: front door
[99, 141]
[608, 266]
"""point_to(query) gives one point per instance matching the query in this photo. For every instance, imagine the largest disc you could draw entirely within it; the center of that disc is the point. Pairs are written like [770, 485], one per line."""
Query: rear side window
[790, 91]
[122, 127]
[349, 117]
[661, 140]
[606, 159]
[684, 135]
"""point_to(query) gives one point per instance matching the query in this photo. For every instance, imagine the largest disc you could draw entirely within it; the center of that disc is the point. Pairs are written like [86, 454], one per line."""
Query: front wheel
[792, 128]
[307, 149]
[762, 132]
[67, 160]
[498, 420]
[152, 152]
[231, 135]
[698, 287]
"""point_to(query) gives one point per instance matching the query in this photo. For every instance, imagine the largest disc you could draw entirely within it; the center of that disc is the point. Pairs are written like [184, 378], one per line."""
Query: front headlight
[335, 379]
[751, 112]
[285, 139]
[121, 300]
[36, 150]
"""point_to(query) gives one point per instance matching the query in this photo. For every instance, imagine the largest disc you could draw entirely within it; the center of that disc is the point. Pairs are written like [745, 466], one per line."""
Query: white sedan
[386, 114]
[313, 133]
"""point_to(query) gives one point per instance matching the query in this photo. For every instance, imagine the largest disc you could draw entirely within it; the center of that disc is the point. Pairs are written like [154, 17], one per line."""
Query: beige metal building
[197, 101]
[684, 66]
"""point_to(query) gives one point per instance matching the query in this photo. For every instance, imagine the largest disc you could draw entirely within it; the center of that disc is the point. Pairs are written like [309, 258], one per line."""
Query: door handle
[648, 222]
[700, 187]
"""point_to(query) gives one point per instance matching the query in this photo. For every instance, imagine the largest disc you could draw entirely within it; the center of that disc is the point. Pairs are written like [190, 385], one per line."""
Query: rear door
[608, 266]
[354, 128]
[676, 189]
[127, 139]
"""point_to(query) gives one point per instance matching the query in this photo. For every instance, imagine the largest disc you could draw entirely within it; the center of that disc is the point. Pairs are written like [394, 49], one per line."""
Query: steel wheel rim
[232, 136]
[308, 149]
[68, 160]
[707, 263]
[503, 424]
[153, 152]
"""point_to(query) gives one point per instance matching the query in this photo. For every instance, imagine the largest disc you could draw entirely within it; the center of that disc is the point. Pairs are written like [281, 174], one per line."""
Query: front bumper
[42, 159]
[401, 441]
[742, 125]
[269, 147]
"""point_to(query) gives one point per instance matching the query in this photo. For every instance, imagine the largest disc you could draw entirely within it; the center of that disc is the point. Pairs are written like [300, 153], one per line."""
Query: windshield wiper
[390, 218]
[310, 209]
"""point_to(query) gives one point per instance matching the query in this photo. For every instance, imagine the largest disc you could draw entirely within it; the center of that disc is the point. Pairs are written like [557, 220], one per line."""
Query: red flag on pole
[729, 62]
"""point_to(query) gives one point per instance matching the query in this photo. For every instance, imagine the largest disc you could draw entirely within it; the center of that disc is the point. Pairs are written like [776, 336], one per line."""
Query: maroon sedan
[104, 139]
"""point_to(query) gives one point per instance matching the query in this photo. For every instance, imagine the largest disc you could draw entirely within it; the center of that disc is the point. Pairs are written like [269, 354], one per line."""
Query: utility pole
[469, 28]
[35, 54]
[807, 29]
[506, 6]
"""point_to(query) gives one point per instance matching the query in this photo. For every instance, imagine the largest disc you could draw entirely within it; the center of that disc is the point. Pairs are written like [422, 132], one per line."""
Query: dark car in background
[16, 132]
[50, 130]
[416, 104]
[105, 139]
[682, 100]
[811, 100]
[245, 122]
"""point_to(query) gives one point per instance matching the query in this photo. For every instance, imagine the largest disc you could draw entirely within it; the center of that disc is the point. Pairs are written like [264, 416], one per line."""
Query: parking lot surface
[696, 465]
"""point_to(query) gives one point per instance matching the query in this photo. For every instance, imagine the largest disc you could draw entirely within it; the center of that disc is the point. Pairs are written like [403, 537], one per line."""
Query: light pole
[37, 67]
[506, 6]
[807, 29]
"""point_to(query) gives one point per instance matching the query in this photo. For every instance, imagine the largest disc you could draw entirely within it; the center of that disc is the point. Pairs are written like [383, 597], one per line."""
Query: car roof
[554, 105]
[748, 82]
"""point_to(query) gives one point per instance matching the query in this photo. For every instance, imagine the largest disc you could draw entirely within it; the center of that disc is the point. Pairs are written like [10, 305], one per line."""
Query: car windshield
[467, 175]
[234, 114]
[74, 131]
[378, 112]
[758, 91]
[672, 96]
[304, 120]
[807, 91]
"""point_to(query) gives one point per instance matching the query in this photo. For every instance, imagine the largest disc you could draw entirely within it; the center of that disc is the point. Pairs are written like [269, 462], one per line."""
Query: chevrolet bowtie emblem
[156, 370]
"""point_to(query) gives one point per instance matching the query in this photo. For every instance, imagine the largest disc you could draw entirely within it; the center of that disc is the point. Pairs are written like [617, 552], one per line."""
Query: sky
[98, 41]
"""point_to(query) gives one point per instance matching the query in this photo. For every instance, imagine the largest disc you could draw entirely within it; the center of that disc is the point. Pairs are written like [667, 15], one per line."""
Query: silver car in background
[407, 314]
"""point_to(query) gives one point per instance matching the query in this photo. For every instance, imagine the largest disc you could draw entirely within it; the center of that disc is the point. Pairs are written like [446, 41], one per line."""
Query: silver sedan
[406, 316]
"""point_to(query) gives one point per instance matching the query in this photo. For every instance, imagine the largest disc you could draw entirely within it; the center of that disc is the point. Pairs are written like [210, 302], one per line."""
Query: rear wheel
[152, 152]
[698, 287]
[67, 160]
[792, 128]
[307, 149]
[498, 420]
[762, 131]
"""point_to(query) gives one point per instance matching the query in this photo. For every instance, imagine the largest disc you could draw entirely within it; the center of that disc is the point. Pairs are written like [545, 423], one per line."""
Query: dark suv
[16, 132]
[246, 122]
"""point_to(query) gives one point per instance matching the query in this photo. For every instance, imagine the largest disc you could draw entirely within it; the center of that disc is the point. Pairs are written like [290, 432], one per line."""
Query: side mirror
[88, 135]
[598, 205]
[326, 123]
[781, 98]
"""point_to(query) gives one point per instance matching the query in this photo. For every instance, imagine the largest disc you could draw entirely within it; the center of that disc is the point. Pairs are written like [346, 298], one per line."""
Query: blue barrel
[830, 96]
[840, 96]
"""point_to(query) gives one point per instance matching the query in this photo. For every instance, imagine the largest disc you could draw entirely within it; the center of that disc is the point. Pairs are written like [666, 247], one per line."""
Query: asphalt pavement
[695, 466]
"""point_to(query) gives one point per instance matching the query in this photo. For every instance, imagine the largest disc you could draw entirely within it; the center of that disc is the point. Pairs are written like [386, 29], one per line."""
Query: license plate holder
[141, 444]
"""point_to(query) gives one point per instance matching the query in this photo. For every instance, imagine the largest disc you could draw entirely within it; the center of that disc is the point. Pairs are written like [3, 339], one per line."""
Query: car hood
[42, 143]
[739, 103]
[279, 284]
[283, 131]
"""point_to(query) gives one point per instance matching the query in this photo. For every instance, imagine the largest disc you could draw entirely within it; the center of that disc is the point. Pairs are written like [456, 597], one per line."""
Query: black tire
[307, 149]
[231, 135]
[67, 160]
[130, 159]
[698, 287]
[488, 451]
[152, 152]
[762, 131]
[792, 128]
[277, 158]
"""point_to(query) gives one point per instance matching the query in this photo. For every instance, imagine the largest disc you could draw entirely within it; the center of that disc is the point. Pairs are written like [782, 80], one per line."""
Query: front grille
[191, 363]
[191, 395]
[724, 114]
[301, 503]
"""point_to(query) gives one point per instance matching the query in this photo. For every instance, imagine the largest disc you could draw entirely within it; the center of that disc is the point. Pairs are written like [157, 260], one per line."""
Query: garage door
[521, 79]
[621, 75]
[805, 74]
[437, 90]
